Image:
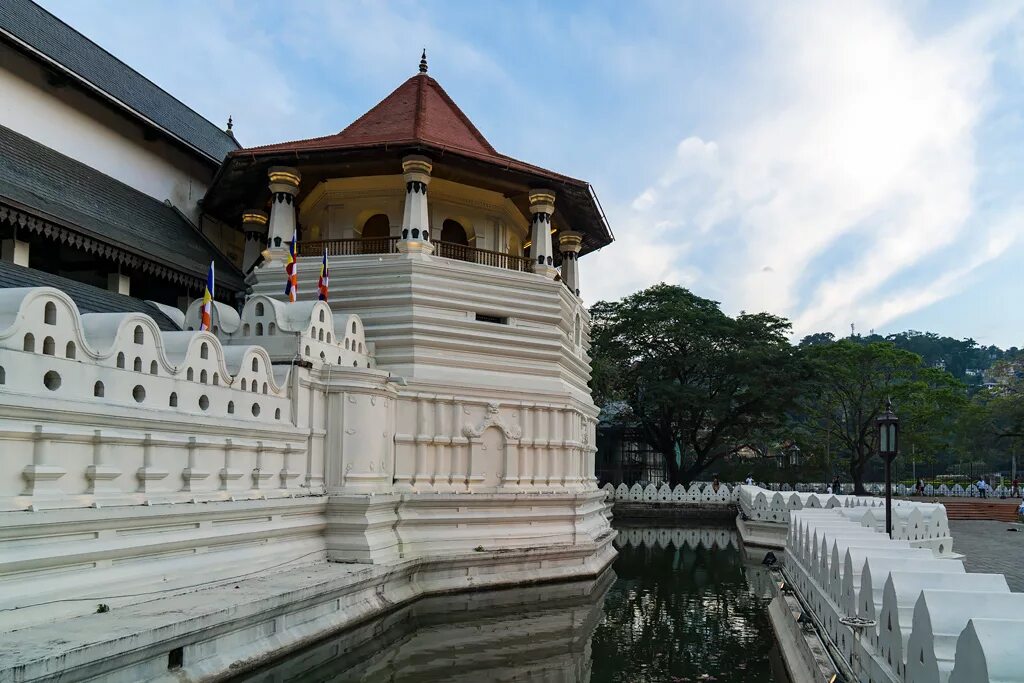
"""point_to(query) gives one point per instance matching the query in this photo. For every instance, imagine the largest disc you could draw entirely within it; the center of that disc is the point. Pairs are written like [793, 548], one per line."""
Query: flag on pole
[324, 280]
[291, 267]
[204, 315]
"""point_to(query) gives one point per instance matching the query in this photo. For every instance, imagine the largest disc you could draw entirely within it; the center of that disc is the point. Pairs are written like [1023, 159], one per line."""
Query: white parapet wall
[915, 601]
[141, 461]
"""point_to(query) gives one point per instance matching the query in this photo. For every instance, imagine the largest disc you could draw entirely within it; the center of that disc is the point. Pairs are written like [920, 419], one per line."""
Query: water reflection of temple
[538, 633]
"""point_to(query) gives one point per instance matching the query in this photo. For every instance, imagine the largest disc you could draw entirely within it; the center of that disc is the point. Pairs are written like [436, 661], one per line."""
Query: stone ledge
[236, 626]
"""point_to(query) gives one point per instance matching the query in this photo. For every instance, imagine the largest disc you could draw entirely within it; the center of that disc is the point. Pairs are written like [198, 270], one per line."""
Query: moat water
[678, 605]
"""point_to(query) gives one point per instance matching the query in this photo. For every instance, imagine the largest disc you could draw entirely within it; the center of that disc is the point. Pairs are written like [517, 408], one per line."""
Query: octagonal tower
[462, 264]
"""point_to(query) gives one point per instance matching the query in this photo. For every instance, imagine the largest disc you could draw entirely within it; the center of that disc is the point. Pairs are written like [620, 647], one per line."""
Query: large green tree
[850, 384]
[699, 384]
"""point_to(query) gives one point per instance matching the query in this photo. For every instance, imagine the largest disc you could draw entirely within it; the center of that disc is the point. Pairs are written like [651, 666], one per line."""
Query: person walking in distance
[982, 488]
[837, 487]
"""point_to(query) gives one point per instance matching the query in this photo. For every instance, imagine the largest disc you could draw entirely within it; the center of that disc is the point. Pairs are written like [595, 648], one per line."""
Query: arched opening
[49, 346]
[139, 393]
[255, 365]
[454, 243]
[259, 329]
[265, 387]
[190, 375]
[245, 385]
[245, 330]
[216, 379]
[259, 308]
[204, 351]
[375, 234]
[120, 360]
[231, 407]
[277, 414]
[452, 232]
[137, 364]
[202, 376]
[271, 329]
[139, 337]
[97, 390]
[152, 367]
[29, 344]
[69, 350]
[3, 375]
[321, 315]
[173, 402]
[50, 313]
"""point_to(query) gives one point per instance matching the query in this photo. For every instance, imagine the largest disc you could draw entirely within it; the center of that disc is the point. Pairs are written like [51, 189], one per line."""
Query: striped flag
[324, 280]
[204, 315]
[291, 267]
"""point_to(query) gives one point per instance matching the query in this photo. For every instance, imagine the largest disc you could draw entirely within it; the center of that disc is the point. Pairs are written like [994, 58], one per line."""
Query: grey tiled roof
[54, 186]
[31, 24]
[89, 299]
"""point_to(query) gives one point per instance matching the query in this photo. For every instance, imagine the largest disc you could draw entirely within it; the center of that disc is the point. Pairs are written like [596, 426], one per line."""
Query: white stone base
[239, 625]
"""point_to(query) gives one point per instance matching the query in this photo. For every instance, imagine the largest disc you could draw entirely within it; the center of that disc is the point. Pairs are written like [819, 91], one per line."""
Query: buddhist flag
[324, 280]
[291, 267]
[204, 312]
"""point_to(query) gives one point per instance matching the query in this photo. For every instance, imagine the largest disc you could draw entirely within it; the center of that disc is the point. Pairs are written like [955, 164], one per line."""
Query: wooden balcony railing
[484, 257]
[351, 247]
[389, 245]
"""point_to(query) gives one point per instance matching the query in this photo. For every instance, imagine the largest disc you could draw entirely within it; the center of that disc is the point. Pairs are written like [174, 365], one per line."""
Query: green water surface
[678, 605]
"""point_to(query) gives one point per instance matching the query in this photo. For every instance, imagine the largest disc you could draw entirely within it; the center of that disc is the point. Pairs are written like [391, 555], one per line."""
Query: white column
[15, 251]
[284, 185]
[254, 225]
[542, 205]
[416, 219]
[569, 244]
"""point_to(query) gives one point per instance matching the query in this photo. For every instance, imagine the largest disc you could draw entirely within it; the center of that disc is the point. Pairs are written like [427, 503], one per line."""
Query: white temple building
[428, 428]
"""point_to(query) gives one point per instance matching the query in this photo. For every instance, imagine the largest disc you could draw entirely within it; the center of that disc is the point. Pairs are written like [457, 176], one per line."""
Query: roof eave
[95, 90]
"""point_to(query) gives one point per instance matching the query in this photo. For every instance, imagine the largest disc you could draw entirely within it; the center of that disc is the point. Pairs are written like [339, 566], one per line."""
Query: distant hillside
[965, 359]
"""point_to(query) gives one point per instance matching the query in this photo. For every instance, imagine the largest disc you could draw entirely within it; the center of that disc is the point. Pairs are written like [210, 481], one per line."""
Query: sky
[834, 163]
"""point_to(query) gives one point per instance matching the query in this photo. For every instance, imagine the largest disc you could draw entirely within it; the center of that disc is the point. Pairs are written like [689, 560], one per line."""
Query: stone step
[976, 509]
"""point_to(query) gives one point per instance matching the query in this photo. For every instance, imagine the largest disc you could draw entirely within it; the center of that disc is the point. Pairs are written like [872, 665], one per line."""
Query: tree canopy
[699, 384]
[849, 386]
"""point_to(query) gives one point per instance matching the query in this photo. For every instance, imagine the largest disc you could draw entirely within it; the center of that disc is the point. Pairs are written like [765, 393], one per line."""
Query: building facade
[432, 413]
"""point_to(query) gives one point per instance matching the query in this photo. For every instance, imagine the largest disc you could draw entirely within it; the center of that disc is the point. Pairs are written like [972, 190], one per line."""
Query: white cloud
[849, 156]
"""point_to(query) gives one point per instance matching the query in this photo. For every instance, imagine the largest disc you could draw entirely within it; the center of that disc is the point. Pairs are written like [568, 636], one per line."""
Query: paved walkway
[991, 549]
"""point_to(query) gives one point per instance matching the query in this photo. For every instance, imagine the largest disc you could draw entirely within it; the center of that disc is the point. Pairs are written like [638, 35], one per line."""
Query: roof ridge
[120, 61]
[361, 118]
[417, 122]
[462, 116]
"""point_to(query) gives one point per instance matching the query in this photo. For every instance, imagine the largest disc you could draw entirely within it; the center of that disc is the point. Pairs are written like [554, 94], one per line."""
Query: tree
[851, 384]
[995, 422]
[698, 383]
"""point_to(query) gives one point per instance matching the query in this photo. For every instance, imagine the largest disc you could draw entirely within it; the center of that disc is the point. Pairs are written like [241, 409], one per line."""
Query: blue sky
[836, 163]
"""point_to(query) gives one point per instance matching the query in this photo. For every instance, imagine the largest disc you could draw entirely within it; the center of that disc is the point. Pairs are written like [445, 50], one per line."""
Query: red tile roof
[418, 112]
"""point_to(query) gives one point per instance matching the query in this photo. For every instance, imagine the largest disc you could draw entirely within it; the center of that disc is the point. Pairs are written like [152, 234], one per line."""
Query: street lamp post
[888, 448]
